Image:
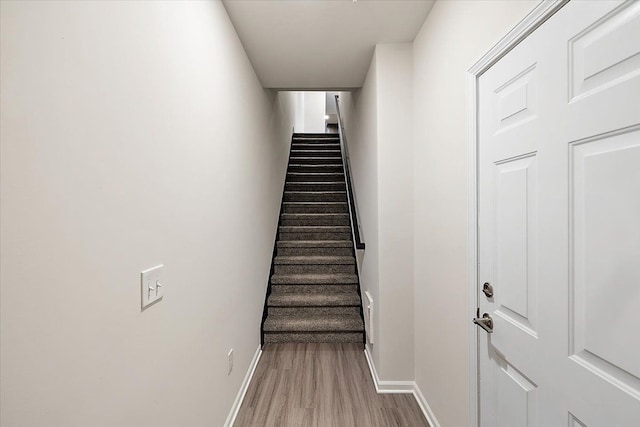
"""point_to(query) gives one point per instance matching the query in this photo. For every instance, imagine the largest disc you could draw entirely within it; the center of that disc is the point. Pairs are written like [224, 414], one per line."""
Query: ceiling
[321, 44]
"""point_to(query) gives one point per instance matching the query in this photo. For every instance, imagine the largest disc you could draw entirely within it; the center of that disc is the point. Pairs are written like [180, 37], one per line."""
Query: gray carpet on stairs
[314, 287]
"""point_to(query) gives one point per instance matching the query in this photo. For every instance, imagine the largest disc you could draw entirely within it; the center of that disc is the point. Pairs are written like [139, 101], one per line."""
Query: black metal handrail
[353, 207]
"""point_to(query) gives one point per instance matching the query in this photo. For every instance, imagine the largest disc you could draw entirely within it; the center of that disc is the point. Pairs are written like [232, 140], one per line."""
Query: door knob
[485, 322]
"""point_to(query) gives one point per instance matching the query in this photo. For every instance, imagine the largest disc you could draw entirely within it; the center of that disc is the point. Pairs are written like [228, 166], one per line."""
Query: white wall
[309, 111]
[132, 134]
[378, 122]
[360, 117]
[395, 210]
[314, 111]
[454, 36]
[331, 103]
[299, 111]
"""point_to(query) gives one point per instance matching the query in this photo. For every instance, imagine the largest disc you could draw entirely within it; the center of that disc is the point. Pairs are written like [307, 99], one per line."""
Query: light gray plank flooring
[321, 385]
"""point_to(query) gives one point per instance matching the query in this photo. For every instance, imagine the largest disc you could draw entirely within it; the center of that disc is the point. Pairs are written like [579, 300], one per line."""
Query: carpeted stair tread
[315, 323]
[306, 152]
[313, 337]
[311, 204]
[316, 196]
[315, 185]
[314, 279]
[315, 136]
[317, 160]
[311, 159]
[315, 176]
[315, 244]
[314, 219]
[318, 146]
[328, 165]
[318, 193]
[312, 183]
[315, 228]
[314, 215]
[287, 260]
[314, 300]
[315, 207]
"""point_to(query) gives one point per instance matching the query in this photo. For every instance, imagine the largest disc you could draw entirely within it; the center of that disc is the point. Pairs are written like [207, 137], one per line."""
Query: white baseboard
[426, 409]
[383, 387]
[243, 389]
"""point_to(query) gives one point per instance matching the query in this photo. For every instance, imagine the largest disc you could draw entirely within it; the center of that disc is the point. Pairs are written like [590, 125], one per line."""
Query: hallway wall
[378, 122]
[309, 111]
[132, 134]
[455, 35]
[360, 118]
[408, 145]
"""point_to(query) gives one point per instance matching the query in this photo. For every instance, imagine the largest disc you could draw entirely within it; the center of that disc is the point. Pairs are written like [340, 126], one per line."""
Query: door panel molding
[543, 11]
[598, 344]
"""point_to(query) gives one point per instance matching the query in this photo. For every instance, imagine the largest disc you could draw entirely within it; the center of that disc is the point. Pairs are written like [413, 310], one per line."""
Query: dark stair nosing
[318, 174]
[311, 183]
[317, 203]
[316, 135]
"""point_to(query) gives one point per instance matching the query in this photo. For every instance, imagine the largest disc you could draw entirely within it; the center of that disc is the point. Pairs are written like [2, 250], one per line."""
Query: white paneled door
[559, 223]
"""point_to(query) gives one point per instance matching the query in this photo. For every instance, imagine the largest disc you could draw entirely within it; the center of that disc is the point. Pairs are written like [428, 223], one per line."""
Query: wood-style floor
[321, 385]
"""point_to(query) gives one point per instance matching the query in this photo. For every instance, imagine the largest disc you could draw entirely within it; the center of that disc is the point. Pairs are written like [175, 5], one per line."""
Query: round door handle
[485, 322]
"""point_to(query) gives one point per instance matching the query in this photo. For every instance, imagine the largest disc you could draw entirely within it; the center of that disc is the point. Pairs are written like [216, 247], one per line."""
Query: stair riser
[312, 177]
[315, 220]
[336, 161]
[314, 197]
[314, 236]
[344, 337]
[310, 311]
[316, 208]
[318, 146]
[334, 186]
[296, 153]
[313, 289]
[315, 252]
[314, 269]
[319, 140]
[315, 169]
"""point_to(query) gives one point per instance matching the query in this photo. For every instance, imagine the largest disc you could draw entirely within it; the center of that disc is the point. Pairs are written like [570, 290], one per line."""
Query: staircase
[314, 293]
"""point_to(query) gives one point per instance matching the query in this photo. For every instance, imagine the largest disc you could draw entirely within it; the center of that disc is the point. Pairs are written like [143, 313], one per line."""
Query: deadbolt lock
[487, 289]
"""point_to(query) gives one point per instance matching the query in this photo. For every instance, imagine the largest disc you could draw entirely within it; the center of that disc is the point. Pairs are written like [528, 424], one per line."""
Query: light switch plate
[151, 285]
